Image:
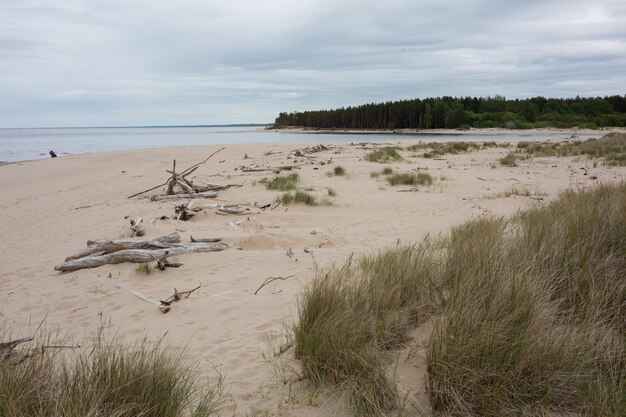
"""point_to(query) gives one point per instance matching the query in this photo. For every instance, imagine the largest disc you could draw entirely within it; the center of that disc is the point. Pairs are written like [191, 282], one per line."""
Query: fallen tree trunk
[102, 247]
[138, 255]
[206, 194]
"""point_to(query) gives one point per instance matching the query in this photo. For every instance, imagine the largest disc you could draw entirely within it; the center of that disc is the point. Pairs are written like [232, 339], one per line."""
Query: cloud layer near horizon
[114, 62]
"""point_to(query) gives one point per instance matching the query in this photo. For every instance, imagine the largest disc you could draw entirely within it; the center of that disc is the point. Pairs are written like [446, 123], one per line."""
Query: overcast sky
[156, 62]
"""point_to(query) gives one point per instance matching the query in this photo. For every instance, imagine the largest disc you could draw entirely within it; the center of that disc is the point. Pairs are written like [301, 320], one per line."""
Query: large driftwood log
[205, 194]
[138, 255]
[101, 247]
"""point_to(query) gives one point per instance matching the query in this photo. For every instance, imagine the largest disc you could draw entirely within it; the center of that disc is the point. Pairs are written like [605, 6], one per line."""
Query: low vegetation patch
[108, 380]
[384, 154]
[530, 314]
[611, 147]
[421, 178]
[339, 171]
[144, 269]
[301, 197]
[284, 183]
[510, 160]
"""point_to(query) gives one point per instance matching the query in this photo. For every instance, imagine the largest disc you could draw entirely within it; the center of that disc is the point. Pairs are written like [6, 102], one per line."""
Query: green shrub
[339, 171]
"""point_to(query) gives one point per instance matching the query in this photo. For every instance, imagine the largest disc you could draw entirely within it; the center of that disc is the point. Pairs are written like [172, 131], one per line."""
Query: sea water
[26, 144]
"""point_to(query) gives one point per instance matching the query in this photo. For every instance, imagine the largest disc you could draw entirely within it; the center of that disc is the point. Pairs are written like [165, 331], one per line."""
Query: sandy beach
[50, 208]
[565, 133]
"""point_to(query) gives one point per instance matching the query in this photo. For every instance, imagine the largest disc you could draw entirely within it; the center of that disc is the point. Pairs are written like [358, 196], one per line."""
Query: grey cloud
[113, 62]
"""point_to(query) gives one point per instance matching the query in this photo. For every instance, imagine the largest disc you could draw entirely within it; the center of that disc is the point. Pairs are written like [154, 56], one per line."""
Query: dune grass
[421, 178]
[510, 160]
[284, 183]
[108, 380]
[384, 154]
[530, 314]
[300, 197]
[435, 149]
[611, 147]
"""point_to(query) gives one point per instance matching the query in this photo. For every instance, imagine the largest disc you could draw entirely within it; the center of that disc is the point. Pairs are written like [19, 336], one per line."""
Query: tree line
[465, 112]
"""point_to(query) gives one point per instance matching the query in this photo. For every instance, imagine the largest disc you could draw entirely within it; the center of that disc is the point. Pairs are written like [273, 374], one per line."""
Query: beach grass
[611, 148]
[421, 178]
[528, 314]
[144, 379]
[300, 197]
[283, 183]
[384, 154]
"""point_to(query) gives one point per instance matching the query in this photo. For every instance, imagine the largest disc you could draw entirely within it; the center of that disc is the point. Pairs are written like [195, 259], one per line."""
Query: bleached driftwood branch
[102, 247]
[116, 253]
[7, 348]
[162, 307]
[204, 194]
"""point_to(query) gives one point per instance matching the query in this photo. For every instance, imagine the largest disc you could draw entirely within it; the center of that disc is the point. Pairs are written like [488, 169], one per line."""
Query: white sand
[50, 208]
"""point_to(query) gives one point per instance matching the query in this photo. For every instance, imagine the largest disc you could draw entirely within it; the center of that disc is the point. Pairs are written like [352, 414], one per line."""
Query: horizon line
[140, 126]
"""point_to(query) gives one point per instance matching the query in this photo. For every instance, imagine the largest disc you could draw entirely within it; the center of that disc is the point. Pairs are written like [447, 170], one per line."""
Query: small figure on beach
[52, 154]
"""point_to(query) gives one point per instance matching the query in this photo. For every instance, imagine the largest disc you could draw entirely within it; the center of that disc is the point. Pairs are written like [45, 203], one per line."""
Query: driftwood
[114, 253]
[309, 150]
[7, 347]
[204, 194]
[207, 240]
[220, 209]
[270, 280]
[172, 181]
[162, 308]
[177, 296]
[137, 255]
[270, 169]
[102, 247]
[185, 211]
[163, 262]
[136, 227]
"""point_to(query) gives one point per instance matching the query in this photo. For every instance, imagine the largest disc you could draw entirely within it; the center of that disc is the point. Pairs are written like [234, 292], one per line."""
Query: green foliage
[387, 171]
[421, 178]
[285, 183]
[384, 154]
[463, 112]
[332, 192]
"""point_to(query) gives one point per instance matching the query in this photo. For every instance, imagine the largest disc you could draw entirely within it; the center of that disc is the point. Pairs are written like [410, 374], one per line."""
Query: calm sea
[27, 144]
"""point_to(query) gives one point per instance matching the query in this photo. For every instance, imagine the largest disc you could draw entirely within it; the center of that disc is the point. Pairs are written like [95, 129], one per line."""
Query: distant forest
[465, 112]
